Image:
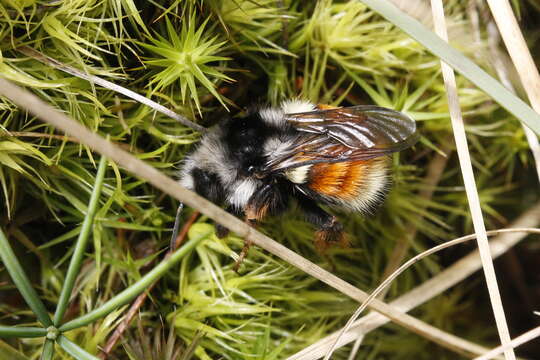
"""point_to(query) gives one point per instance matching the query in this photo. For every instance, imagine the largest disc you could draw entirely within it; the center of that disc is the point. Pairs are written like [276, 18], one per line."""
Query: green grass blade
[76, 259]
[48, 350]
[74, 350]
[22, 282]
[458, 61]
[22, 332]
[131, 292]
[9, 352]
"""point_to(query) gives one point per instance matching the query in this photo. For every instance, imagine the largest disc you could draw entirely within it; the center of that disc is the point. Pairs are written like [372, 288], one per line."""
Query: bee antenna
[176, 227]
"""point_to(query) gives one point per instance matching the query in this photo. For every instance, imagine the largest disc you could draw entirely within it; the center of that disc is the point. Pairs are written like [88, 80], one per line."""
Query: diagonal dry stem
[109, 85]
[410, 263]
[429, 289]
[520, 340]
[502, 73]
[403, 243]
[50, 115]
[470, 184]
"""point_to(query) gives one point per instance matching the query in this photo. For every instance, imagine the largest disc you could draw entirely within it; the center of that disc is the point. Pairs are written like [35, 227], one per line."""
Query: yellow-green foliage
[206, 60]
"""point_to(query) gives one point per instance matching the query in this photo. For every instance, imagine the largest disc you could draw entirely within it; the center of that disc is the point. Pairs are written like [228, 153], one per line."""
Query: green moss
[203, 59]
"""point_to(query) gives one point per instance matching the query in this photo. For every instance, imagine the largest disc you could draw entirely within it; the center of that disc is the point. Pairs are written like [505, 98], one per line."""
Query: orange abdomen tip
[355, 184]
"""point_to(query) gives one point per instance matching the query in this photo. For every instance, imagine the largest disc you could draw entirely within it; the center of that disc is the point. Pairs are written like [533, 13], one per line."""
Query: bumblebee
[318, 155]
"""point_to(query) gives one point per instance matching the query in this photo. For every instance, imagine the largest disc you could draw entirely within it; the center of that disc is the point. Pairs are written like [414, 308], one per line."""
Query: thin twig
[521, 339]
[429, 289]
[139, 168]
[470, 183]
[502, 73]
[39, 135]
[184, 231]
[139, 301]
[434, 173]
[31, 134]
[410, 263]
[108, 85]
[418, 9]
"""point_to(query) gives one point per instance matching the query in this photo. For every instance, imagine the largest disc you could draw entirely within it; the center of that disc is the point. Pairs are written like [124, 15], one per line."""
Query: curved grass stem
[407, 265]
[76, 259]
[436, 285]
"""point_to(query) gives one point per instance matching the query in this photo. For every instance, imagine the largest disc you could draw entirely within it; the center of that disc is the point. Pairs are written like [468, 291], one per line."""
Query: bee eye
[245, 150]
[251, 169]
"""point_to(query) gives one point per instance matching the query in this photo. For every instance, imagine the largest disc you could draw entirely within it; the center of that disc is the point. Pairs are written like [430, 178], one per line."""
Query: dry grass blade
[429, 289]
[522, 59]
[109, 85]
[522, 339]
[384, 285]
[517, 49]
[470, 184]
[419, 9]
[45, 112]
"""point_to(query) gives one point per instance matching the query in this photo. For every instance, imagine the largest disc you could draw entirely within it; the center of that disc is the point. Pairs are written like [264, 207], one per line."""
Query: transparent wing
[345, 134]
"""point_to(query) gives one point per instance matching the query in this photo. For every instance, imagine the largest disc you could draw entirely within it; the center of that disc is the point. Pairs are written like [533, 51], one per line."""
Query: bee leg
[176, 227]
[222, 231]
[329, 229]
[245, 249]
[330, 234]
[270, 199]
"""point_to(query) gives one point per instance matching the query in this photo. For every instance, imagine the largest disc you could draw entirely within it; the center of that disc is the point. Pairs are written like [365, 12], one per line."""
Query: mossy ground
[207, 60]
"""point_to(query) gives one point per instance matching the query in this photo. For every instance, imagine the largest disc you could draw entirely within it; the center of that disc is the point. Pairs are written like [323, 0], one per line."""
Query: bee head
[244, 137]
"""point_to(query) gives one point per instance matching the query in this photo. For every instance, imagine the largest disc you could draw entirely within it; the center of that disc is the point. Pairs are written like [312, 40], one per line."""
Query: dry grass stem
[517, 49]
[470, 184]
[419, 9]
[356, 347]
[522, 339]
[502, 73]
[50, 115]
[40, 135]
[429, 289]
[386, 283]
[109, 85]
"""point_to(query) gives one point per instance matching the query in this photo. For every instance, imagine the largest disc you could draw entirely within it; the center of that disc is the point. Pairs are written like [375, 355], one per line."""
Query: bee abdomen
[355, 185]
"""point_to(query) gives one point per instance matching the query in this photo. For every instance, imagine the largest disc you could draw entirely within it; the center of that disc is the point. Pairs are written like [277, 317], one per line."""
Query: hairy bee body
[355, 185]
[338, 157]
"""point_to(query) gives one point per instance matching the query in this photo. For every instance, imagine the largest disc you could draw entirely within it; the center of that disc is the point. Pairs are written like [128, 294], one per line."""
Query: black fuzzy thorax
[244, 139]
